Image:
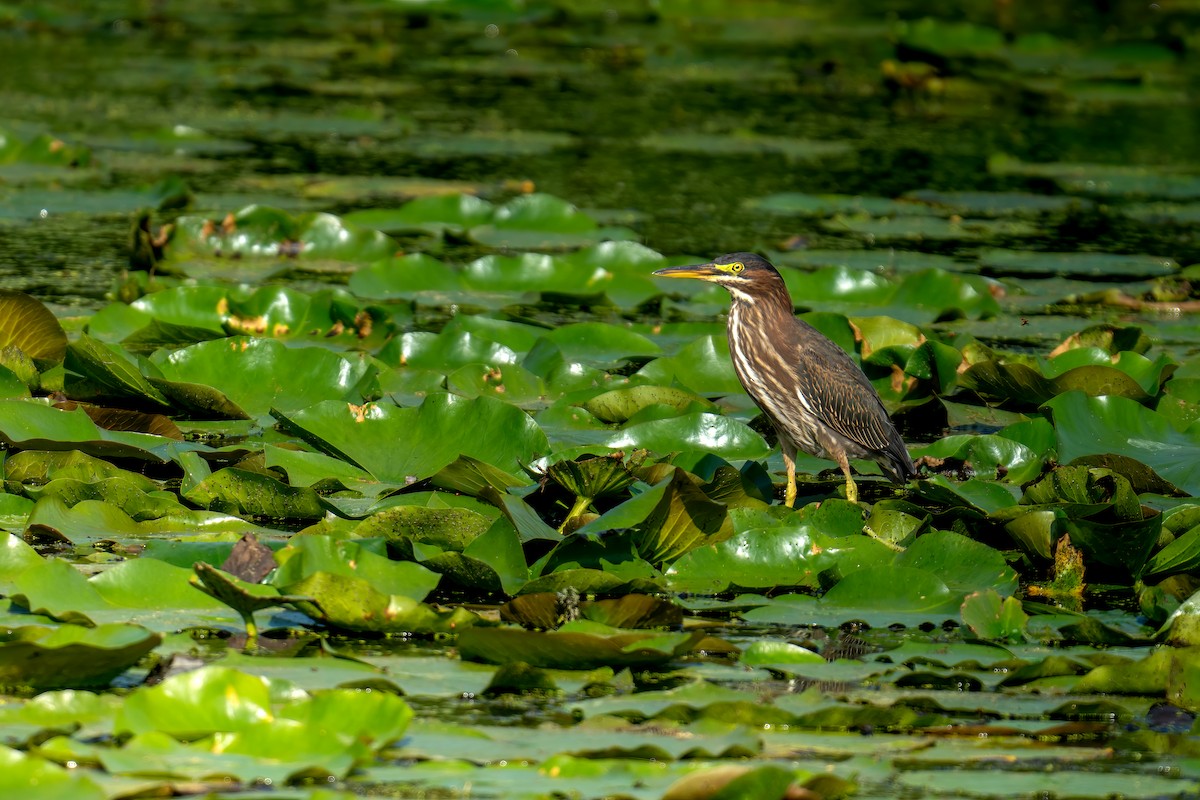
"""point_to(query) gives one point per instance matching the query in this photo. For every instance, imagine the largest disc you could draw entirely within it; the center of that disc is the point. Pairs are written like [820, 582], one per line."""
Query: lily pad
[400, 445]
[577, 645]
[27, 324]
[71, 655]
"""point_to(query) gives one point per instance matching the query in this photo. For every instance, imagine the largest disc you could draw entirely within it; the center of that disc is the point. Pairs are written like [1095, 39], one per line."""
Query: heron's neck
[772, 302]
[764, 311]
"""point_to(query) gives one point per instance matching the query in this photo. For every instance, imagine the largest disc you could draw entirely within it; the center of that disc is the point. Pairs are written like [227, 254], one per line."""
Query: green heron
[817, 398]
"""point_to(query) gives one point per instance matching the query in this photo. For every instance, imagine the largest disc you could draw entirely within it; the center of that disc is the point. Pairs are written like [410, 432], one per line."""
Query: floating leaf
[667, 520]
[260, 374]
[994, 618]
[1087, 426]
[29, 325]
[576, 645]
[71, 655]
[258, 232]
[399, 445]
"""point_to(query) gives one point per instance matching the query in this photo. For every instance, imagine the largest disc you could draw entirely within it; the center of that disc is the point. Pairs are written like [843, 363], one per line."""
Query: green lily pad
[665, 521]
[577, 645]
[351, 604]
[1086, 426]
[308, 555]
[399, 445]
[542, 222]
[21, 771]
[745, 144]
[826, 205]
[35, 426]
[998, 204]
[261, 232]
[235, 491]
[710, 433]
[260, 374]
[71, 655]
[1081, 265]
[994, 618]
[437, 215]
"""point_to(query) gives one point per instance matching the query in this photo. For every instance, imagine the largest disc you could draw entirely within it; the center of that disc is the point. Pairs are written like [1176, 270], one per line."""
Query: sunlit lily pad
[438, 215]
[542, 222]
[260, 232]
[27, 324]
[400, 445]
[260, 374]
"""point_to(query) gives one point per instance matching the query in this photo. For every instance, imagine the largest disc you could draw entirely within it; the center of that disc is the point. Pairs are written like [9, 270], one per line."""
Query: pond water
[954, 194]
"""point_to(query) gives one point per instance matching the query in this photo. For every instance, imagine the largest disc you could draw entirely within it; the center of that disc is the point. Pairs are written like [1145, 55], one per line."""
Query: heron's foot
[851, 490]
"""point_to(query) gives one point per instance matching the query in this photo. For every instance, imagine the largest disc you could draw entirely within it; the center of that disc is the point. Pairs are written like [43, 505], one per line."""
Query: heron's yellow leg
[851, 486]
[789, 495]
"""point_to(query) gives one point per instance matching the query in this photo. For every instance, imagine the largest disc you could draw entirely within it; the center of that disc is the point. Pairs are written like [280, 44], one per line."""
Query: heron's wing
[836, 391]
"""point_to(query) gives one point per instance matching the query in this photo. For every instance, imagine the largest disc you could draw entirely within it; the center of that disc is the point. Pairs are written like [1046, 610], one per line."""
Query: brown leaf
[250, 560]
[123, 419]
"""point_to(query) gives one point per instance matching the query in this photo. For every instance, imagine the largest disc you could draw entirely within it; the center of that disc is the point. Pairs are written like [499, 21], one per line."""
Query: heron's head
[745, 275]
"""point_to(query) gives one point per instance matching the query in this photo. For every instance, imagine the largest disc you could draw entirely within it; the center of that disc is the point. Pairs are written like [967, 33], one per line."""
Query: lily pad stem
[581, 505]
[251, 629]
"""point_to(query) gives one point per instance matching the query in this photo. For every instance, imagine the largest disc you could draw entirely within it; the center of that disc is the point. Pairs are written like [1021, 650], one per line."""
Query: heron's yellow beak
[702, 271]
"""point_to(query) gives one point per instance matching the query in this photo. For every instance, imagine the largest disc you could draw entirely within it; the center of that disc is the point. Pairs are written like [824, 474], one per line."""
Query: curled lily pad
[27, 324]
[667, 520]
[243, 596]
[1120, 533]
[71, 655]
[548, 610]
[33, 425]
[102, 370]
[597, 476]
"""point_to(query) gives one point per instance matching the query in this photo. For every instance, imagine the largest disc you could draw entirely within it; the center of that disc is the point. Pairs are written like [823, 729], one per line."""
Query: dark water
[398, 89]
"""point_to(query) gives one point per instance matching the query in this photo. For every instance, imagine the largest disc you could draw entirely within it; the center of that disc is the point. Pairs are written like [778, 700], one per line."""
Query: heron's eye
[736, 267]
